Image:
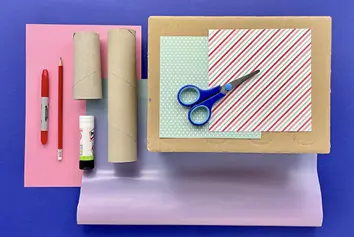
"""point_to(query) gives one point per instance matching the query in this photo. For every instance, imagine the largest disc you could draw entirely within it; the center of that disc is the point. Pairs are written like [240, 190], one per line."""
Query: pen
[44, 106]
[60, 110]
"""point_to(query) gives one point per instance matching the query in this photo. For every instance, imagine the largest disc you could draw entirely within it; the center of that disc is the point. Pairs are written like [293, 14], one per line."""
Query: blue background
[52, 211]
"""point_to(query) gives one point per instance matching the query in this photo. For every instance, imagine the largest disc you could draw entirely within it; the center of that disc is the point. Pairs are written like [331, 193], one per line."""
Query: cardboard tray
[316, 141]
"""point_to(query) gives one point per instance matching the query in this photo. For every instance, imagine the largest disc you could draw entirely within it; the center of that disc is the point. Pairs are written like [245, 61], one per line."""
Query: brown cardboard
[122, 96]
[87, 83]
[316, 141]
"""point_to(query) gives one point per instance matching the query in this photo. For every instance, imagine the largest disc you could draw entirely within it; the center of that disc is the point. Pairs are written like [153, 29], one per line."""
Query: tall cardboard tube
[87, 82]
[122, 96]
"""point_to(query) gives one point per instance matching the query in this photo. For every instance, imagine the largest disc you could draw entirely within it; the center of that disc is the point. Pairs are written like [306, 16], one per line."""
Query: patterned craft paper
[279, 97]
[184, 60]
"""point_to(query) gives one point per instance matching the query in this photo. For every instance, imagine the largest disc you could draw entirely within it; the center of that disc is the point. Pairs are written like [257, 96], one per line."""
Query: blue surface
[52, 211]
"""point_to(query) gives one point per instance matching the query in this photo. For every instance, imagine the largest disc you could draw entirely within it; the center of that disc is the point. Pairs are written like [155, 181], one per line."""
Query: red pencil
[60, 110]
[44, 106]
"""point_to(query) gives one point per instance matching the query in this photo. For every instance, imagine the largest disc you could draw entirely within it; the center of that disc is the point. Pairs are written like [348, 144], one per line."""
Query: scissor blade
[241, 80]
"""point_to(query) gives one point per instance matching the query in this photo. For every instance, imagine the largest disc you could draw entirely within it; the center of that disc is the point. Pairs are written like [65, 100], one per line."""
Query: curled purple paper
[197, 188]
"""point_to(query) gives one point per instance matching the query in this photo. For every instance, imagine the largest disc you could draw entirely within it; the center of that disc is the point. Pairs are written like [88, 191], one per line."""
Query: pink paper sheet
[44, 45]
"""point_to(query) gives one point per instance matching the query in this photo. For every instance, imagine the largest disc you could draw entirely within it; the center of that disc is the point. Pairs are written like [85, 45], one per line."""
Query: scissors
[202, 101]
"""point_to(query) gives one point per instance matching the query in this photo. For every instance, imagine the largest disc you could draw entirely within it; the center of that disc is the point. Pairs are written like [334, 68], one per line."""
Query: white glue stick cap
[86, 121]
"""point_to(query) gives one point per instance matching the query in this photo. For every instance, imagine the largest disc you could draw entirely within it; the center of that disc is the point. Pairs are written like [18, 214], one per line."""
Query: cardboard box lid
[316, 141]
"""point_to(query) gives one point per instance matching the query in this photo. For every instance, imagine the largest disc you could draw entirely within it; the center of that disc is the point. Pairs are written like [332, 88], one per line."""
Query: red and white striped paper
[279, 97]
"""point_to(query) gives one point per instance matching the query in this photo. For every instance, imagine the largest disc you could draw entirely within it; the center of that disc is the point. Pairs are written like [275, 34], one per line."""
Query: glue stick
[87, 137]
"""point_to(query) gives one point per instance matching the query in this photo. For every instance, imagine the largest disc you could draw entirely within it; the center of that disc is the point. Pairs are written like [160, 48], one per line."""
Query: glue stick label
[87, 138]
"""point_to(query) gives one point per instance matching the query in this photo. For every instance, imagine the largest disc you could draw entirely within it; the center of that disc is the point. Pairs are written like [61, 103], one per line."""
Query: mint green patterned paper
[184, 60]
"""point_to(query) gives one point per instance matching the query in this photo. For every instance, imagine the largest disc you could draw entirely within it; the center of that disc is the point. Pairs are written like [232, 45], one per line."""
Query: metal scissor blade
[241, 80]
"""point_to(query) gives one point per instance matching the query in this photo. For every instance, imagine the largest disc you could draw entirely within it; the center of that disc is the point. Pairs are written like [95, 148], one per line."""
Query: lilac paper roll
[197, 188]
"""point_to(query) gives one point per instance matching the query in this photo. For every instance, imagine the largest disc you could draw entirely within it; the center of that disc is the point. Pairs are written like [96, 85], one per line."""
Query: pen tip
[60, 62]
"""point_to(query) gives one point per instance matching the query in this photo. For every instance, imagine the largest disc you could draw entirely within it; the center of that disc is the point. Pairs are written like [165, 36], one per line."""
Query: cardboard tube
[87, 66]
[122, 96]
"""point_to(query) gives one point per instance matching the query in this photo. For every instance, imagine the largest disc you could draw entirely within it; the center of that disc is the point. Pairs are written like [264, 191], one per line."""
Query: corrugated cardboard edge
[316, 141]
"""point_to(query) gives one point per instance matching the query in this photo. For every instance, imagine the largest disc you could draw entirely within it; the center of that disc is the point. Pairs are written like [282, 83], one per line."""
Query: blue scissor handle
[206, 107]
[201, 94]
